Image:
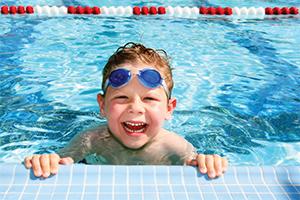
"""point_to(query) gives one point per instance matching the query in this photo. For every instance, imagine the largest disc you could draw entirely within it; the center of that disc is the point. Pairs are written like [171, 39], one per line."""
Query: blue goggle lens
[119, 77]
[150, 78]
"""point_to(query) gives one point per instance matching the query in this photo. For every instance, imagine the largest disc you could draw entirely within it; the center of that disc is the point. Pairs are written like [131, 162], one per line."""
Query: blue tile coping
[150, 183]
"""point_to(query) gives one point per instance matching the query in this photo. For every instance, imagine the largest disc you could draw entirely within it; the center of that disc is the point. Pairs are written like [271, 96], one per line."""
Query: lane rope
[185, 12]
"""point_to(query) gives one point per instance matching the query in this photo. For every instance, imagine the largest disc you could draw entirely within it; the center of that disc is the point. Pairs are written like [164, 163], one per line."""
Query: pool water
[237, 81]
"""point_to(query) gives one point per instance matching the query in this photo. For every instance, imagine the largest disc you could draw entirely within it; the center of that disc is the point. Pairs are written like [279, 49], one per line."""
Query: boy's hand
[46, 164]
[213, 165]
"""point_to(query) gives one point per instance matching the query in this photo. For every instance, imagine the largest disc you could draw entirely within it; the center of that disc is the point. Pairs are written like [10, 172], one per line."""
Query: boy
[136, 100]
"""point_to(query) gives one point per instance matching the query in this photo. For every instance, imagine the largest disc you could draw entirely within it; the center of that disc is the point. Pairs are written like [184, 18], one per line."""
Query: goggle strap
[165, 88]
[106, 85]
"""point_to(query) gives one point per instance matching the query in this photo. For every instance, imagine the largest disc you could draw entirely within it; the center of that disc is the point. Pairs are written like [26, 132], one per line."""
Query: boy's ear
[171, 106]
[100, 99]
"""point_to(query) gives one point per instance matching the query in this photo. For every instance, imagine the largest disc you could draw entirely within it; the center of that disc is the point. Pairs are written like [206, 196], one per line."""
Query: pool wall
[150, 182]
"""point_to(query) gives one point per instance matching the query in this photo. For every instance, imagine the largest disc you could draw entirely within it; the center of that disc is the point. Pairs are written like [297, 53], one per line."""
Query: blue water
[237, 82]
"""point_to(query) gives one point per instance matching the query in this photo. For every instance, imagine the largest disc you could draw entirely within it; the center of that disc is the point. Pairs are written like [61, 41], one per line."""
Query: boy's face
[135, 114]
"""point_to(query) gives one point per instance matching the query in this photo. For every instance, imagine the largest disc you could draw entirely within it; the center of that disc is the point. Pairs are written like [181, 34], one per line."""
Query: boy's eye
[121, 97]
[150, 98]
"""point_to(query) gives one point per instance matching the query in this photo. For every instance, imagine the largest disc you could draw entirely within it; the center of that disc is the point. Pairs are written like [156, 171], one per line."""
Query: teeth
[135, 124]
[135, 127]
[135, 131]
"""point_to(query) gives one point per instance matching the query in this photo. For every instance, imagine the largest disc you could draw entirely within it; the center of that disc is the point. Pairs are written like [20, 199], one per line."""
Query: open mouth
[135, 128]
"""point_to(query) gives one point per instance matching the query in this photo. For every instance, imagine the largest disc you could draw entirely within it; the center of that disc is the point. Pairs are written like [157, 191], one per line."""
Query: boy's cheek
[113, 111]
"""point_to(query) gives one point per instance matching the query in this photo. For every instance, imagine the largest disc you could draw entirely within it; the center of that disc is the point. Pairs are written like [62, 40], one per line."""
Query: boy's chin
[135, 146]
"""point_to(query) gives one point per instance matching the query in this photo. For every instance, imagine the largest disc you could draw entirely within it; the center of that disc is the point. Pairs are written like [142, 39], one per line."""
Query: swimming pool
[237, 81]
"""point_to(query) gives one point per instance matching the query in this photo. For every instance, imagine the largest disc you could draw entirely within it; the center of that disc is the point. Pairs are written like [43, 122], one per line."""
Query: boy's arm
[86, 143]
[78, 147]
[213, 165]
[46, 164]
[178, 148]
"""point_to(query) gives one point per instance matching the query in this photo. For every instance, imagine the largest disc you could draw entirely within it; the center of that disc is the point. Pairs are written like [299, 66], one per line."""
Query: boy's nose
[136, 106]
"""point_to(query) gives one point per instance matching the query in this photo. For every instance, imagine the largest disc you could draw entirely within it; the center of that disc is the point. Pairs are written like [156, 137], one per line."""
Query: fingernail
[37, 174]
[46, 174]
[203, 170]
[212, 174]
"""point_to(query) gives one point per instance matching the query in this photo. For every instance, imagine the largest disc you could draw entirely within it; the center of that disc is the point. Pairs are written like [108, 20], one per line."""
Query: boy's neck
[156, 138]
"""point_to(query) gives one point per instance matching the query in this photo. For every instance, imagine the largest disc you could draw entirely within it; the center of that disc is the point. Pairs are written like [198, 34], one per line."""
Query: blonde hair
[132, 53]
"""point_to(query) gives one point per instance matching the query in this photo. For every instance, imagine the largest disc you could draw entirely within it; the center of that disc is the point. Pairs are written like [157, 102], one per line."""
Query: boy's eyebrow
[152, 92]
[116, 91]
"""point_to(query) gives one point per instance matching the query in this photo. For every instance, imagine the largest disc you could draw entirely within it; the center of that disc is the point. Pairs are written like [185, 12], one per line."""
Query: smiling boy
[136, 100]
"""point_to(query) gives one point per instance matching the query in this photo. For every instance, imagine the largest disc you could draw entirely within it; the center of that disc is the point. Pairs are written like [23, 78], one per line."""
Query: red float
[96, 10]
[13, 10]
[145, 10]
[29, 10]
[88, 10]
[136, 10]
[161, 10]
[153, 10]
[71, 10]
[4, 10]
[79, 10]
[211, 11]
[285, 11]
[21, 10]
[294, 11]
[220, 11]
[203, 10]
[228, 11]
[268, 11]
[276, 11]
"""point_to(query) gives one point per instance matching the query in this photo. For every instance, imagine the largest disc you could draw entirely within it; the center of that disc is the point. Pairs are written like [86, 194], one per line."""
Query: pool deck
[150, 182]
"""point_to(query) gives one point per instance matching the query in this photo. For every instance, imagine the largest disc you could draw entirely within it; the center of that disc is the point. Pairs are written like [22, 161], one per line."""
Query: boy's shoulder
[101, 129]
[175, 144]
[173, 140]
[171, 135]
[95, 133]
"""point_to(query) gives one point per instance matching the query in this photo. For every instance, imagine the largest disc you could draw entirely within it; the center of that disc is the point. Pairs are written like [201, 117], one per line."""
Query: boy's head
[134, 53]
[137, 82]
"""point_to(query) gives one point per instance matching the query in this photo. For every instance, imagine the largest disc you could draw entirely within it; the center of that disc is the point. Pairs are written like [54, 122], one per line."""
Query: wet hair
[137, 53]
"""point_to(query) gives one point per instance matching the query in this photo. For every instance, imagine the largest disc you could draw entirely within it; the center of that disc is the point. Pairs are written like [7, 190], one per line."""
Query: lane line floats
[186, 12]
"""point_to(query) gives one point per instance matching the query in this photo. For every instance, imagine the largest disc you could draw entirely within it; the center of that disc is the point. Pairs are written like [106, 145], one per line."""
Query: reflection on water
[217, 130]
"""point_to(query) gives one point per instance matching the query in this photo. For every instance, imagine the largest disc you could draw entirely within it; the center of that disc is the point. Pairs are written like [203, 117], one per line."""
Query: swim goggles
[148, 77]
